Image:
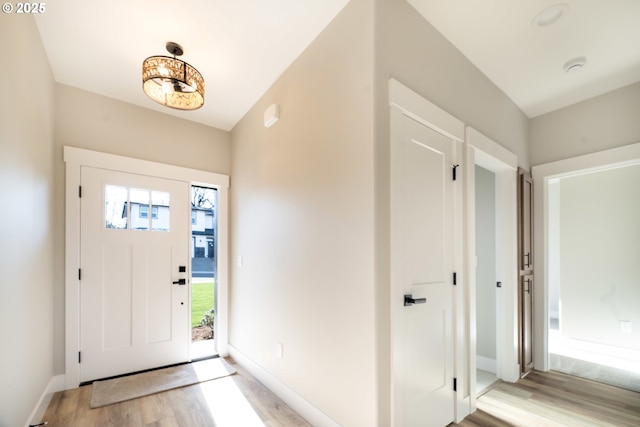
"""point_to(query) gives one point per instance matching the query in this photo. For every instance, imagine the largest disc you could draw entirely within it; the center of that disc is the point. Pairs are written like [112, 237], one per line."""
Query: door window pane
[160, 218]
[139, 200]
[115, 207]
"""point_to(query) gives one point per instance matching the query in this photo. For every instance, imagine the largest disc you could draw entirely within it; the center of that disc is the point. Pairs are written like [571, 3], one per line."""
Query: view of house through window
[203, 269]
[128, 209]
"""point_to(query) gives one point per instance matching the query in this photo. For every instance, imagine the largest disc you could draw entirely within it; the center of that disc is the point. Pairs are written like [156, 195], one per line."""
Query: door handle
[409, 300]
[528, 262]
[180, 282]
[527, 289]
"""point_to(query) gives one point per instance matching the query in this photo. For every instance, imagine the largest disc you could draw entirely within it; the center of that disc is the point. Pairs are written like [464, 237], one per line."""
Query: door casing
[543, 176]
[74, 159]
[483, 151]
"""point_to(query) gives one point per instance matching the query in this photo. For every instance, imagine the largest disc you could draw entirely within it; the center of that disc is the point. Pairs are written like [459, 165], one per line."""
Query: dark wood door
[526, 219]
[525, 266]
[526, 310]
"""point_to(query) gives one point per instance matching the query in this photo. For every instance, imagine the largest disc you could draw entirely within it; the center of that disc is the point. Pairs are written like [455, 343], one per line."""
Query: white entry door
[422, 273]
[134, 238]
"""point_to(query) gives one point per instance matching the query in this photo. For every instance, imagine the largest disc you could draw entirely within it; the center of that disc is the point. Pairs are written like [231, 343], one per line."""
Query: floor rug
[138, 385]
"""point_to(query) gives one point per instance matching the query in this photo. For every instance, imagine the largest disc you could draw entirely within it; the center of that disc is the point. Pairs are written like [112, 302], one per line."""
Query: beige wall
[94, 122]
[606, 121]
[302, 219]
[26, 227]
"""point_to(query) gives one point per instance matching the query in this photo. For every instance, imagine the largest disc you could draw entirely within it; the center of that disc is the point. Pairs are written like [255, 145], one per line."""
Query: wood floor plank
[155, 408]
[546, 399]
[199, 405]
[549, 399]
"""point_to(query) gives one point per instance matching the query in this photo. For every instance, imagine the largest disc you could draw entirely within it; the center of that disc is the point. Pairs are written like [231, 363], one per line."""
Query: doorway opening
[486, 282]
[593, 249]
[204, 225]
[498, 253]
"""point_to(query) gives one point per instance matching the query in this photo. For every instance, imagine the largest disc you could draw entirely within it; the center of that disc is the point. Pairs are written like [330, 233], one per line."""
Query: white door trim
[75, 158]
[543, 175]
[488, 154]
[416, 107]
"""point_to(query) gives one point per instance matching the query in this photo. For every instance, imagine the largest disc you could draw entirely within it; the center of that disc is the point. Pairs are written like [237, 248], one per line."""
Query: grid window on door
[128, 209]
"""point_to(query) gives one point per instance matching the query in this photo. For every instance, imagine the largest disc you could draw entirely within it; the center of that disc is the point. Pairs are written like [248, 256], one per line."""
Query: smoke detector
[575, 64]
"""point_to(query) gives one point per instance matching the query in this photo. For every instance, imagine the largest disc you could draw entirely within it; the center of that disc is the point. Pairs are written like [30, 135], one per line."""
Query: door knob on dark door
[409, 300]
[180, 282]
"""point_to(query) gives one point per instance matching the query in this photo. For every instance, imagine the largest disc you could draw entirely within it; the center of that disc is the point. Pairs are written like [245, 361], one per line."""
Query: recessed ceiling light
[550, 15]
[575, 64]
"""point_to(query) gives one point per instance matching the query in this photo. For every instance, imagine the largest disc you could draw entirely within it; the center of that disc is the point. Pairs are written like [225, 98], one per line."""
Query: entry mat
[133, 386]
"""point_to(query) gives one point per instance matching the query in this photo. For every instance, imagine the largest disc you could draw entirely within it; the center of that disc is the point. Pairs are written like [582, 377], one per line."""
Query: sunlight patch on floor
[210, 368]
[615, 357]
[227, 404]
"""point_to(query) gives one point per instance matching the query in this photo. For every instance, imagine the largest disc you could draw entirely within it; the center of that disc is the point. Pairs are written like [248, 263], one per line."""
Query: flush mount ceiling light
[172, 82]
[575, 64]
[550, 15]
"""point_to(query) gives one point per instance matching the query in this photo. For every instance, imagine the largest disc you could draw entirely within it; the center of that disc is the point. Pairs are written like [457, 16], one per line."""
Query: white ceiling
[242, 46]
[527, 61]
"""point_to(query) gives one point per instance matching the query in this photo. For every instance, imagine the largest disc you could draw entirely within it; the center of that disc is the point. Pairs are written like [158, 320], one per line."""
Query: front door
[134, 299]
[422, 273]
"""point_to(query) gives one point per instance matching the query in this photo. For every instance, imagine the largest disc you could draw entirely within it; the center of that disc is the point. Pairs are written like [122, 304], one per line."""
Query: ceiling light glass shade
[173, 83]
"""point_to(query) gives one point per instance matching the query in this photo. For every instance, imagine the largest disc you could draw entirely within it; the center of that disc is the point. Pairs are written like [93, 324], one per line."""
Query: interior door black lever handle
[409, 300]
[180, 282]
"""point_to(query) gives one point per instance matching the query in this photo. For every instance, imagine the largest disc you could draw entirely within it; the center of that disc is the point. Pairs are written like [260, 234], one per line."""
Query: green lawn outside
[202, 299]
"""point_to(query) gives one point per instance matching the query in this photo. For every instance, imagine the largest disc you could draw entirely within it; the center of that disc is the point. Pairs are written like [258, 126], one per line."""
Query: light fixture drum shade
[173, 83]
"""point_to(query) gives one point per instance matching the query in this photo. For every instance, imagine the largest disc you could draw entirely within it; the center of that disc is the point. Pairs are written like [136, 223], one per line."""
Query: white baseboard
[486, 364]
[299, 404]
[56, 383]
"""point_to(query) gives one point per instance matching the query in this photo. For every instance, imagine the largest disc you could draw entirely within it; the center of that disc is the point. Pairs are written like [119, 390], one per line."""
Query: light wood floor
[553, 399]
[548, 399]
[237, 400]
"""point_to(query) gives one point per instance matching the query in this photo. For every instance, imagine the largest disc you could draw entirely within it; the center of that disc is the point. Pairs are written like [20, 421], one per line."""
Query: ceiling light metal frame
[172, 82]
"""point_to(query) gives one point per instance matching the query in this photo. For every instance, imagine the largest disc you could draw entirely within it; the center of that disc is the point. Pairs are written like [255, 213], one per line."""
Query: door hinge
[455, 384]
[455, 279]
[79, 274]
[79, 357]
[454, 167]
[80, 191]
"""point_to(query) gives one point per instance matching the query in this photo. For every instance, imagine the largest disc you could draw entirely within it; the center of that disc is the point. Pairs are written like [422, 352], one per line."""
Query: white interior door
[422, 267]
[134, 238]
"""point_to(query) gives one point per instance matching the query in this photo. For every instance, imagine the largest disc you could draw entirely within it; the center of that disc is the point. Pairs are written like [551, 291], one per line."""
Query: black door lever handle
[180, 282]
[409, 300]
